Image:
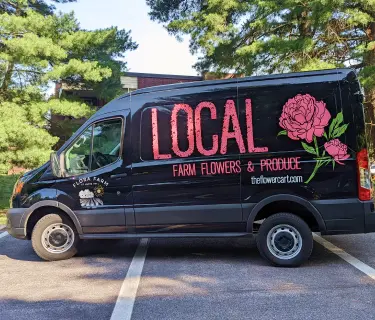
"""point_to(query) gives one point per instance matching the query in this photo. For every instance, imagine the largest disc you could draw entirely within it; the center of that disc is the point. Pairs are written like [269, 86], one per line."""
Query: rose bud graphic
[337, 150]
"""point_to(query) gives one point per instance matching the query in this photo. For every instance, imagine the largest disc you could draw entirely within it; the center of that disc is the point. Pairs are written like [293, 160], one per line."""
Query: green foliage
[11, 6]
[256, 36]
[38, 46]
[24, 138]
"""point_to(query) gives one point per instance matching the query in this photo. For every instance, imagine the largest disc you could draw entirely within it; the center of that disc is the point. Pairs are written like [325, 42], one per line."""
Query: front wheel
[285, 240]
[54, 238]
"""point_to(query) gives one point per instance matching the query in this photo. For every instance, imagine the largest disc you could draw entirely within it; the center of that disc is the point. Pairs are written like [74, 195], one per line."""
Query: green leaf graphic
[282, 133]
[339, 131]
[333, 164]
[339, 119]
[334, 124]
[325, 136]
[308, 148]
[331, 127]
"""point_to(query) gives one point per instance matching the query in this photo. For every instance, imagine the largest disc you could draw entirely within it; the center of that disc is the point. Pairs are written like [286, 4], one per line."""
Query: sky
[158, 52]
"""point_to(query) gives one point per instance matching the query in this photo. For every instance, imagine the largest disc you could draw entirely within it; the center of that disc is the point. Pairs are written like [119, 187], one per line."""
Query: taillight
[364, 182]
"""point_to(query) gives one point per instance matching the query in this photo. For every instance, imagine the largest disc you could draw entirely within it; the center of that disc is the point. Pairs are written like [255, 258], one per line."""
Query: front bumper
[14, 227]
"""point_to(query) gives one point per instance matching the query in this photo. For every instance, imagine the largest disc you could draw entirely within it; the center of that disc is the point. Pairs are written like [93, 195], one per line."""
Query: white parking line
[346, 256]
[3, 234]
[125, 301]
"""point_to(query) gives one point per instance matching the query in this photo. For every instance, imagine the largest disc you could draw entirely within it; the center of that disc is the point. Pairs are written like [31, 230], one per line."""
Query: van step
[163, 235]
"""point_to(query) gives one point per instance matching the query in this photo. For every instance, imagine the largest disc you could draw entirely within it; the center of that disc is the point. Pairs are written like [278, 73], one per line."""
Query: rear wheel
[54, 238]
[285, 240]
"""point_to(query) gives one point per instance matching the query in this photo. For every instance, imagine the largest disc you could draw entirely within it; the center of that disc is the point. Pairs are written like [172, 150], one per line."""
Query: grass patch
[3, 219]
[6, 189]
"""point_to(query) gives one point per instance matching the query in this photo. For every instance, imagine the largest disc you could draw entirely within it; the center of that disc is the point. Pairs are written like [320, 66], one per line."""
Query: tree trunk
[7, 79]
[369, 105]
[10, 66]
[304, 30]
[304, 24]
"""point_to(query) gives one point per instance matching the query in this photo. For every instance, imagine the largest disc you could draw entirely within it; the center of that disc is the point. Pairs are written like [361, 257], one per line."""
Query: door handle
[121, 175]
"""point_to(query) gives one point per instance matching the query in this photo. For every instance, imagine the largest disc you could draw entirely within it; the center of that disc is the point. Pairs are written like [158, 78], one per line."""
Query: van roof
[342, 71]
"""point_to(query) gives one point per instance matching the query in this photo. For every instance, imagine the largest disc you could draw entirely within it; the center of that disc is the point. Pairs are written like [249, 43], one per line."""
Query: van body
[277, 155]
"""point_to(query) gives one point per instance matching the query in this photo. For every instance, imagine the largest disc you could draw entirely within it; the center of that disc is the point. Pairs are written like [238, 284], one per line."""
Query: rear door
[302, 136]
[186, 178]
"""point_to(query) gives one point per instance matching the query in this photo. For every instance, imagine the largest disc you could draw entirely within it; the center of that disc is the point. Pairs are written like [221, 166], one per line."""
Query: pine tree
[11, 6]
[37, 47]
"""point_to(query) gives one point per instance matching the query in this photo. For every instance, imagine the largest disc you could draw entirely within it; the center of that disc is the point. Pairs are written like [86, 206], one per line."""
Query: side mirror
[55, 165]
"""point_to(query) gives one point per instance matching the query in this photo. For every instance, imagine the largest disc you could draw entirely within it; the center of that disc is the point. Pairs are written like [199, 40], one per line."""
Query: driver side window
[98, 146]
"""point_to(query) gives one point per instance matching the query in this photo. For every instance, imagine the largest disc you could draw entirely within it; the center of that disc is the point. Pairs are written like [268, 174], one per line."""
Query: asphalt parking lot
[186, 279]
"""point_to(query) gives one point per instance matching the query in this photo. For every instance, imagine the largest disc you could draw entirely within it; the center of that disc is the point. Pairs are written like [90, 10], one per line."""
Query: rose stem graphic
[316, 146]
[320, 161]
[317, 166]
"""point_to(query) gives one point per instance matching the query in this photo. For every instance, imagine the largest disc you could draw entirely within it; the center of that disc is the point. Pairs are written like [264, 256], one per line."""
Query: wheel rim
[284, 241]
[58, 238]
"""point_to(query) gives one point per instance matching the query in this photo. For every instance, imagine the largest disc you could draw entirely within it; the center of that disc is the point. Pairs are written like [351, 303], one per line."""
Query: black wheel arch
[48, 204]
[285, 198]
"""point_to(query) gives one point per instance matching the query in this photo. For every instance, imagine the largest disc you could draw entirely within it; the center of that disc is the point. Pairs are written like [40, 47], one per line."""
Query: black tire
[37, 234]
[301, 254]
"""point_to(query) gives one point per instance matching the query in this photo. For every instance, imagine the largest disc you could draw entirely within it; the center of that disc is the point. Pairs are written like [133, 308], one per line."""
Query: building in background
[134, 80]
[130, 81]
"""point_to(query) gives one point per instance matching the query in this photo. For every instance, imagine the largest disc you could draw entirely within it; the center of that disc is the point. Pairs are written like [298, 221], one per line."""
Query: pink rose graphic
[303, 117]
[337, 150]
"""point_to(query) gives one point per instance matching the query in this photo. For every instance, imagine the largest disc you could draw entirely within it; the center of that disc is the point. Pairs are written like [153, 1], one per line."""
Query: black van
[280, 156]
